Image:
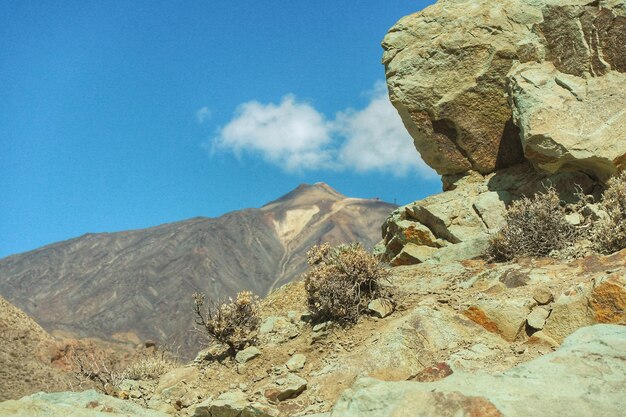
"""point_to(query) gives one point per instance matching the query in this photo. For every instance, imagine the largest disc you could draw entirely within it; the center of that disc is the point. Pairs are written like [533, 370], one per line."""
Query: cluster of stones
[485, 87]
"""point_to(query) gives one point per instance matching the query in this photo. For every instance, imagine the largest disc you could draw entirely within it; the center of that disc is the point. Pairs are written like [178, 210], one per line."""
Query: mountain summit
[139, 282]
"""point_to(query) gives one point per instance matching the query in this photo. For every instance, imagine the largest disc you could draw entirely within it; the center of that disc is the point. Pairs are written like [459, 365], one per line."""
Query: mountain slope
[25, 350]
[141, 281]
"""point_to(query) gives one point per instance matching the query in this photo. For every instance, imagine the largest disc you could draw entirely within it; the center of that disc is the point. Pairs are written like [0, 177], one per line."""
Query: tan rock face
[569, 122]
[608, 300]
[447, 71]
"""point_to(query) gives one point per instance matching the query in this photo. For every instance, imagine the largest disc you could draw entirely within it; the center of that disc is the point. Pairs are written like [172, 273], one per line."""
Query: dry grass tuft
[149, 367]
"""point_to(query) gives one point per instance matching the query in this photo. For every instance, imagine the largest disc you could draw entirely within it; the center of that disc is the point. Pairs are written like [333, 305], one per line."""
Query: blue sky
[120, 115]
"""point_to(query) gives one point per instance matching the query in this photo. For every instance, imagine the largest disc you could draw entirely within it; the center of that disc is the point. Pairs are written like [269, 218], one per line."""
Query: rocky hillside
[502, 99]
[137, 285]
[26, 352]
[464, 339]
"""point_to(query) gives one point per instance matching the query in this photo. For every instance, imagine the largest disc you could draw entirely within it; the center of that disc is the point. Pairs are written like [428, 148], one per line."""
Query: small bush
[609, 232]
[107, 372]
[234, 323]
[342, 281]
[149, 367]
[535, 226]
[90, 366]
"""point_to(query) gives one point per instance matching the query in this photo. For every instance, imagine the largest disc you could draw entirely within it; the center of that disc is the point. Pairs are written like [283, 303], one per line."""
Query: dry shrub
[95, 371]
[535, 227]
[342, 281]
[234, 323]
[107, 373]
[609, 232]
[149, 367]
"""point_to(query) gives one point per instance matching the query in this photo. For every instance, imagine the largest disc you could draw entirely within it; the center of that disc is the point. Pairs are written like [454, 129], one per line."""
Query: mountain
[138, 284]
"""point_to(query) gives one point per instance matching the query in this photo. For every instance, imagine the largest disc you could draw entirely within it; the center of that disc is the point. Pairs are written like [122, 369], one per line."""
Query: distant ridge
[140, 281]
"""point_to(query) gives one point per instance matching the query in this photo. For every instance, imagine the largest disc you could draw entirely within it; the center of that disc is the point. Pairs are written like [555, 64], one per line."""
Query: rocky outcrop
[74, 404]
[449, 65]
[587, 373]
[458, 223]
[486, 87]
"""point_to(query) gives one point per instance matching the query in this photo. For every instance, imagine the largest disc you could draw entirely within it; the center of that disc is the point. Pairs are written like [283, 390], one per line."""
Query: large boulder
[74, 404]
[448, 67]
[587, 374]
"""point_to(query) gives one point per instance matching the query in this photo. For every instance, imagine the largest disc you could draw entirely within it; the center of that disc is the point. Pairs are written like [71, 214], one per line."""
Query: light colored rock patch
[587, 373]
[568, 121]
[74, 404]
[293, 222]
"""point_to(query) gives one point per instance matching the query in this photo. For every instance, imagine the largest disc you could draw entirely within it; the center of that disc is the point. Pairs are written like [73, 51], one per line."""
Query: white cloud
[203, 114]
[375, 138]
[292, 135]
[296, 137]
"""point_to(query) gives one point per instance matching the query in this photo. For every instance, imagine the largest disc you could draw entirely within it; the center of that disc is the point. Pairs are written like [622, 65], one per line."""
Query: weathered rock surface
[569, 122]
[285, 388]
[231, 404]
[457, 223]
[505, 317]
[247, 354]
[74, 404]
[447, 71]
[600, 300]
[587, 373]
[296, 362]
[537, 318]
[380, 307]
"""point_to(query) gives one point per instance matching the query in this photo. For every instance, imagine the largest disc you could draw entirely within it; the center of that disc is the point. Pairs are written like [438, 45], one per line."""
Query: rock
[570, 122]
[406, 344]
[247, 354]
[296, 362]
[321, 330]
[232, 404]
[505, 317]
[608, 300]
[600, 300]
[215, 351]
[285, 388]
[74, 404]
[469, 249]
[277, 330]
[491, 207]
[448, 68]
[181, 395]
[570, 312]
[587, 373]
[173, 377]
[537, 317]
[541, 338]
[381, 307]
[542, 295]
[428, 229]
[411, 254]
[461, 220]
